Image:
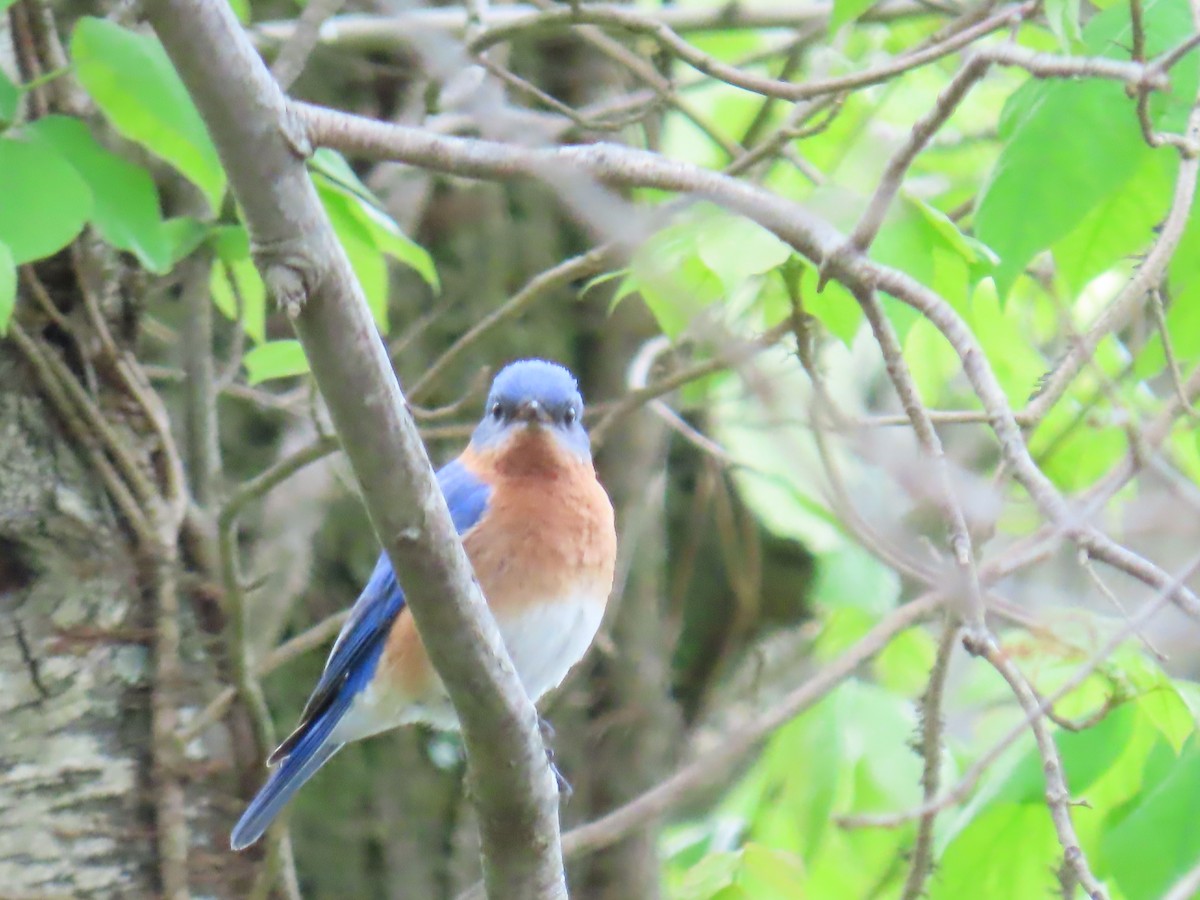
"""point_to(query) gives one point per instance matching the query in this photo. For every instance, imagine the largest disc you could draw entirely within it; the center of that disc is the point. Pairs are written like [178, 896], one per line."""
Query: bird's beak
[533, 413]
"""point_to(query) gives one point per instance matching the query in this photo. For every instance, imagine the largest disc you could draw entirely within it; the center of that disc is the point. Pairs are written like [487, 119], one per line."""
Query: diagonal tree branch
[305, 267]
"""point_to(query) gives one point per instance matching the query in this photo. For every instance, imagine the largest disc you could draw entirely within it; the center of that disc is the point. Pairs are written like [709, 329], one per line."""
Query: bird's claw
[564, 786]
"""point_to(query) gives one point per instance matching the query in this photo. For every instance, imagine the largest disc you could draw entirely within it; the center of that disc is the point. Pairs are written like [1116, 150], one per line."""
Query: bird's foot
[564, 786]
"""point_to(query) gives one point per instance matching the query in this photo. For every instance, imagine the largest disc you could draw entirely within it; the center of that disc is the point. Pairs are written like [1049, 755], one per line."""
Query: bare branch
[403, 28]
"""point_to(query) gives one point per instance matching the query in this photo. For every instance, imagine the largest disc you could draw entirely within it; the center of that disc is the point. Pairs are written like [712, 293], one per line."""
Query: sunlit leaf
[768, 872]
[1156, 840]
[45, 202]
[1119, 226]
[904, 665]
[834, 306]
[126, 210]
[336, 175]
[241, 9]
[849, 576]
[8, 287]
[1063, 18]
[847, 11]
[132, 80]
[235, 278]
[275, 359]
[1009, 851]
[1053, 148]
[183, 234]
[734, 248]
[672, 278]
[365, 257]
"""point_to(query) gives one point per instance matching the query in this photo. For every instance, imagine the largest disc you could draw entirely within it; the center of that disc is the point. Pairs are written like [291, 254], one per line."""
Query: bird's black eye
[570, 415]
[497, 411]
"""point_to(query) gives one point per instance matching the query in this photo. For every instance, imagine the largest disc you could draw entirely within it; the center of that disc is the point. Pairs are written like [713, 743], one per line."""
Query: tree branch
[307, 271]
[811, 236]
[366, 33]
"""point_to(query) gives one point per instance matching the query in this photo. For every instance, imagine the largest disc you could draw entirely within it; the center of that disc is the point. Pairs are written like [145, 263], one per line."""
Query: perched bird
[538, 529]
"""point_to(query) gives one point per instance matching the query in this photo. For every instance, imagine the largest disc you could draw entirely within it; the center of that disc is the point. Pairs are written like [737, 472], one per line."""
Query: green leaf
[767, 872]
[1169, 714]
[850, 576]
[183, 234]
[365, 257]
[126, 211]
[241, 9]
[1156, 841]
[334, 173]
[847, 11]
[672, 278]
[8, 288]
[45, 202]
[1118, 226]
[132, 80]
[1063, 18]
[10, 99]
[1052, 149]
[904, 665]
[1009, 851]
[234, 275]
[834, 307]
[602, 278]
[734, 249]
[275, 359]
[785, 497]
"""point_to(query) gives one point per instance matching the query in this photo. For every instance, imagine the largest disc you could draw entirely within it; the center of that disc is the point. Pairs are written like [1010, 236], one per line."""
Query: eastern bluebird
[538, 529]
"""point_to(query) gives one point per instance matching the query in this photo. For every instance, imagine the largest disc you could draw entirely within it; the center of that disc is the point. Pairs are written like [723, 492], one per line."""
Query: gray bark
[74, 671]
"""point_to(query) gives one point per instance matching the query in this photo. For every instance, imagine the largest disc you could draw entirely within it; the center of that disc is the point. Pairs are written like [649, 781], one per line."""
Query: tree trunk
[74, 669]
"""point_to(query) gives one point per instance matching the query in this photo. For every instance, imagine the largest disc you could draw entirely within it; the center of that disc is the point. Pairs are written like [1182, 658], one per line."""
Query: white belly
[544, 641]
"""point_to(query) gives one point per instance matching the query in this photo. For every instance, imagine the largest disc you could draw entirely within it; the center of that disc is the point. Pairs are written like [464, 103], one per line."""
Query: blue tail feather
[311, 752]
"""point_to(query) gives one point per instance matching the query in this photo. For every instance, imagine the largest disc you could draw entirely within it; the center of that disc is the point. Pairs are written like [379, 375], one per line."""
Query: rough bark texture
[74, 671]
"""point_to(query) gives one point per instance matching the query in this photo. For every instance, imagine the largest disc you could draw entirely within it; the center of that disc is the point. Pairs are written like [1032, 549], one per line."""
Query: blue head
[533, 394]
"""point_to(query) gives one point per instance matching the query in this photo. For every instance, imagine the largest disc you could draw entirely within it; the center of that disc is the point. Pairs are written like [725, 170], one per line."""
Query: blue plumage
[350, 667]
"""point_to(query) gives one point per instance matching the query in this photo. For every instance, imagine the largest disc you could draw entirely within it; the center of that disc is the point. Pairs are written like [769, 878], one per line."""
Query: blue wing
[350, 666]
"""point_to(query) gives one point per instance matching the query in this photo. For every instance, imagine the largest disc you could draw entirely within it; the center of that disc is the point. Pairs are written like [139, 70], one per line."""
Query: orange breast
[548, 534]
[549, 529]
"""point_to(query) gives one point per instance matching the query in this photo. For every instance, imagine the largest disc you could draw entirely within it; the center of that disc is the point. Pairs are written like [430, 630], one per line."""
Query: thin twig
[926, 127]
[298, 47]
[1044, 65]
[974, 612]
[931, 755]
[1058, 797]
[290, 649]
[200, 397]
[562, 274]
